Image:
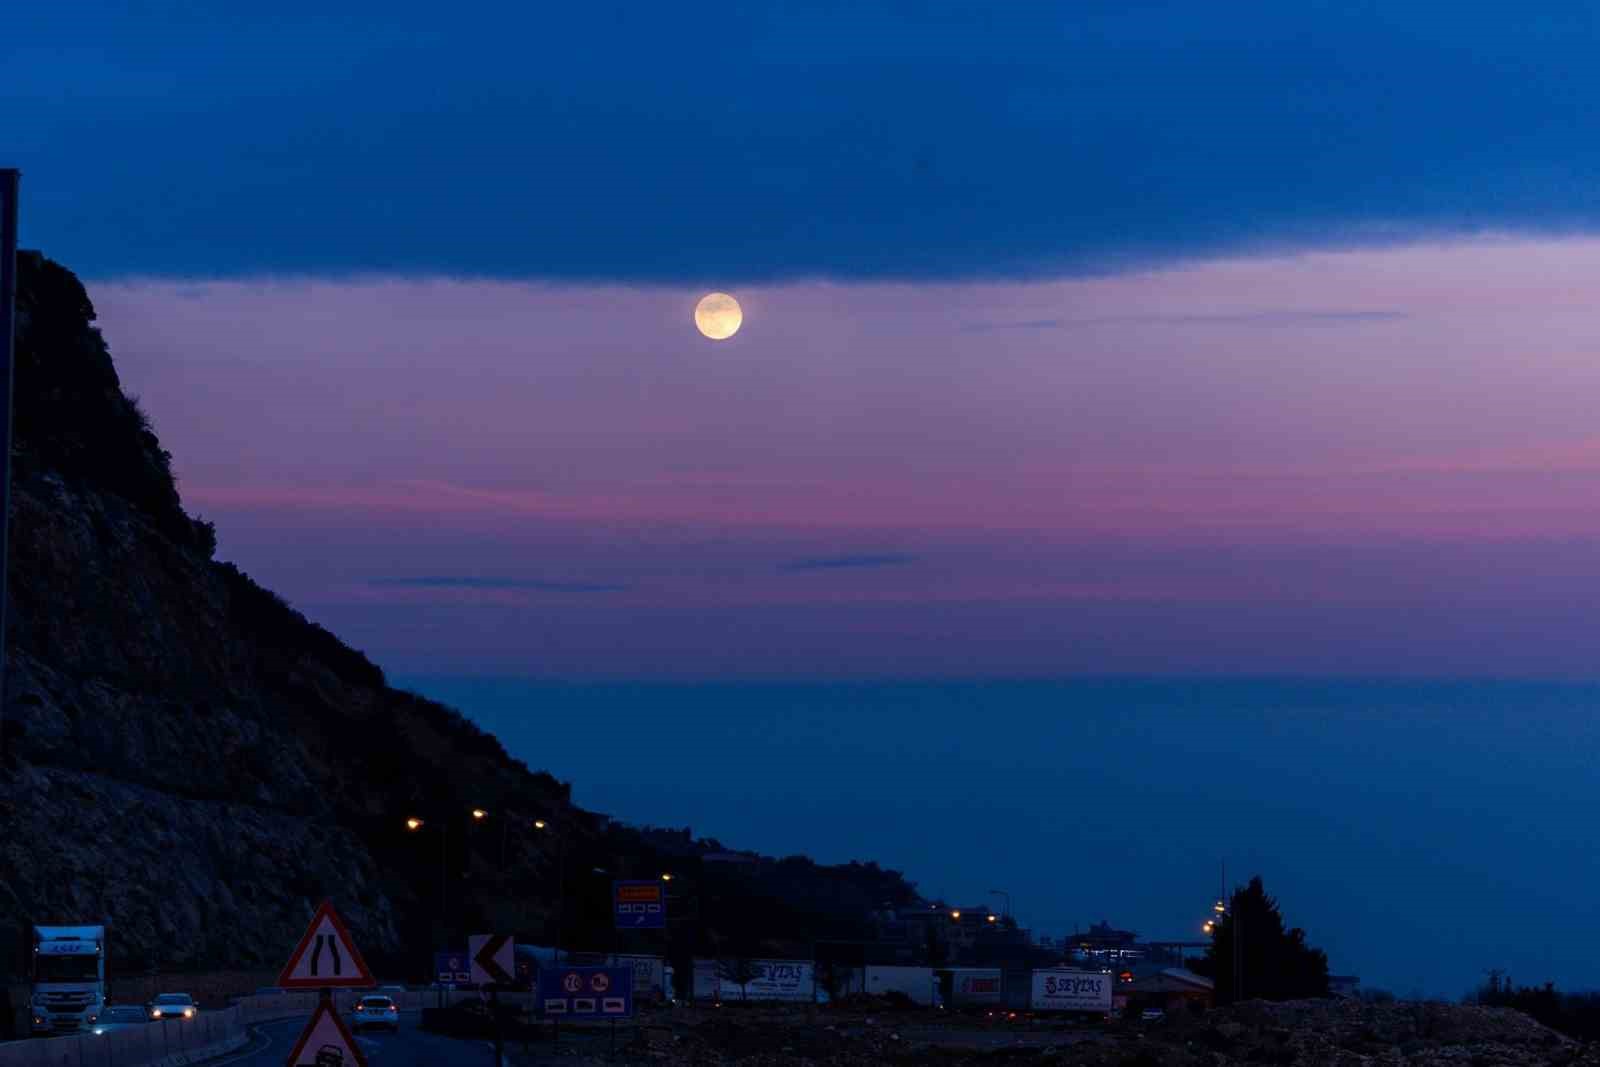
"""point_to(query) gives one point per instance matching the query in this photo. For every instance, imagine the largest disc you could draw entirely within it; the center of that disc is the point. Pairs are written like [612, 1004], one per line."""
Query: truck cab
[68, 976]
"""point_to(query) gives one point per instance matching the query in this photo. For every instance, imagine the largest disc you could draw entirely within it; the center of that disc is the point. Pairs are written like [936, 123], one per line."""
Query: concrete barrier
[157, 1044]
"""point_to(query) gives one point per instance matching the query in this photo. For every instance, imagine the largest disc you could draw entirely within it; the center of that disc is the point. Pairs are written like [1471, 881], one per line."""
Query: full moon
[718, 316]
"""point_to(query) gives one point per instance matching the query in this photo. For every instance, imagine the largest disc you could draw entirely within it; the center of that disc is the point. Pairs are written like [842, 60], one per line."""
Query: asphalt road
[411, 1047]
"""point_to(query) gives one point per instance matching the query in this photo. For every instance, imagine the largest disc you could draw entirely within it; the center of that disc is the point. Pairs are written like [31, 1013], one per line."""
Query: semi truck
[68, 974]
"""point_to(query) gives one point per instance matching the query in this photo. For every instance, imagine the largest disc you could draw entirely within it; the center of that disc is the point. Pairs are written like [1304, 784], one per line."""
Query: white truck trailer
[1061, 989]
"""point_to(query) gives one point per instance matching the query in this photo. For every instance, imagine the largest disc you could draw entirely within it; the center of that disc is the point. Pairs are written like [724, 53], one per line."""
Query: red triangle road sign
[326, 1043]
[326, 957]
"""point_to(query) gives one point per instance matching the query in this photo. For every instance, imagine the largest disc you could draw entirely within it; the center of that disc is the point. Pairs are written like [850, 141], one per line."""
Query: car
[375, 1012]
[120, 1017]
[173, 1006]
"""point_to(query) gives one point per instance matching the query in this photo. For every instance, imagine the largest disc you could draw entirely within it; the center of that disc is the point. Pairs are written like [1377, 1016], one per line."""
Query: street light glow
[666, 877]
[538, 824]
[992, 918]
[479, 813]
[955, 915]
[413, 823]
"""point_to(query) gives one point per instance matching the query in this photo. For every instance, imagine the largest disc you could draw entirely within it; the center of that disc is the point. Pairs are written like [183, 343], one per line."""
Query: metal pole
[561, 889]
[9, 180]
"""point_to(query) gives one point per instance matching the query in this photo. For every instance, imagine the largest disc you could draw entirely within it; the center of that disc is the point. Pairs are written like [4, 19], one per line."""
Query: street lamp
[414, 824]
[666, 876]
[479, 814]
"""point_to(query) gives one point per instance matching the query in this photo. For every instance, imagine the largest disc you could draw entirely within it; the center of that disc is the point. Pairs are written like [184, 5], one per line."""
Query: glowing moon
[718, 316]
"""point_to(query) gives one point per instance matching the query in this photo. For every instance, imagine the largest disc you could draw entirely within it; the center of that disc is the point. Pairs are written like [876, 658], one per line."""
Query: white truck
[69, 978]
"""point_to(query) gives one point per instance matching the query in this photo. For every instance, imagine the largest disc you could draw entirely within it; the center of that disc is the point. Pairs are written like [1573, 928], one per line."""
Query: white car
[374, 1012]
[173, 1006]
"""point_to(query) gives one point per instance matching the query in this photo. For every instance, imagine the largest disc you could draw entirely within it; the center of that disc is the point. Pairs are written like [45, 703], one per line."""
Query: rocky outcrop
[186, 757]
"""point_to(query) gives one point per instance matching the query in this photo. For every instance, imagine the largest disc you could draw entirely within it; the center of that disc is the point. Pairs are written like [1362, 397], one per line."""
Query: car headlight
[155, 1013]
[188, 1013]
[97, 1030]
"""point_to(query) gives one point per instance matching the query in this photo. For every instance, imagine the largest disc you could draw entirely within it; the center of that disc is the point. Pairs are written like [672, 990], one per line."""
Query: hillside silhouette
[193, 761]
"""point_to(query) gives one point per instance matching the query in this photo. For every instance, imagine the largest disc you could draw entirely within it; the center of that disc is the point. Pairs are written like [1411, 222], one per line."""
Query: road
[411, 1047]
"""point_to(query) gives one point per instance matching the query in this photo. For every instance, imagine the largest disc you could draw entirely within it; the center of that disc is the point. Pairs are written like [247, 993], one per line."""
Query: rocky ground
[1320, 1033]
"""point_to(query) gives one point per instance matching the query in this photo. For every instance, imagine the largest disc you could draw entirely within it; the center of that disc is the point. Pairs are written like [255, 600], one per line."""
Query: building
[1171, 989]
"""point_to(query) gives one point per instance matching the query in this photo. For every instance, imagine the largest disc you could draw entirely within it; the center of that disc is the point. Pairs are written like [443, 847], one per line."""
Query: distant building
[1171, 989]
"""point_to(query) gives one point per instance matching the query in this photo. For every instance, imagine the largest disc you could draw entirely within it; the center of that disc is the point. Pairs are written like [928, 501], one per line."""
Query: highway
[411, 1047]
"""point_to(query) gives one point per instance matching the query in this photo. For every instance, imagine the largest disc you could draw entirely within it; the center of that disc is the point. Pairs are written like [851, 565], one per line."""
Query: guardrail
[178, 1042]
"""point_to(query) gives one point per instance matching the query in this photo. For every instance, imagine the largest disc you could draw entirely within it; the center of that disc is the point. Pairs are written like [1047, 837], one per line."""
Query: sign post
[326, 959]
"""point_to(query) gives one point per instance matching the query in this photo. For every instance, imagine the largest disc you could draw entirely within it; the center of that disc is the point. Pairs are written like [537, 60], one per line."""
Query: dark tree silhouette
[1275, 963]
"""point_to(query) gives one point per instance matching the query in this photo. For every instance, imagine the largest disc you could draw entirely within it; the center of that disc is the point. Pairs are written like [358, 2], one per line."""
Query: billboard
[1064, 990]
[773, 980]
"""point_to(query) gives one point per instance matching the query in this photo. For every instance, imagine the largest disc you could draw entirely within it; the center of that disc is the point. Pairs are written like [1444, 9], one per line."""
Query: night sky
[1254, 345]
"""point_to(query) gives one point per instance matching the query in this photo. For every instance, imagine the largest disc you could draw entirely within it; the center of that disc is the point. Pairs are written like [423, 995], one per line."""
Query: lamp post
[8, 291]
[561, 879]
[415, 825]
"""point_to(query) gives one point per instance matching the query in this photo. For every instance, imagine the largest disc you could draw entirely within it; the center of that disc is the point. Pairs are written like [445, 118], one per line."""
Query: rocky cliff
[192, 761]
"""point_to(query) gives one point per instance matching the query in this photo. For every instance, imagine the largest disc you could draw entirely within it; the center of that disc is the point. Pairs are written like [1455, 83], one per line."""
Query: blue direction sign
[452, 968]
[639, 905]
[586, 992]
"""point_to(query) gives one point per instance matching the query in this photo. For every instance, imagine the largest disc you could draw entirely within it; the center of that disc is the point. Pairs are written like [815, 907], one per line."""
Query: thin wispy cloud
[457, 581]
[855, 562]
[1271, 317]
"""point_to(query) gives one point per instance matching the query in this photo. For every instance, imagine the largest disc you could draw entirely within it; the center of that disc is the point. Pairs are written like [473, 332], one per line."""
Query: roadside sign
[326, 1043]
[492, 959]
[586, 992]
[639, 905]
[326, 957]
[450, 968]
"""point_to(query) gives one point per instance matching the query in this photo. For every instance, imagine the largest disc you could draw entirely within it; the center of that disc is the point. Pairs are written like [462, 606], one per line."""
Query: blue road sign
[452, 968]
[639, 905]
[586, 992]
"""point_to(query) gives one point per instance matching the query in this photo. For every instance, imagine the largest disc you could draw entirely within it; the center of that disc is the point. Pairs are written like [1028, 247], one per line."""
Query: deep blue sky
[755, 141]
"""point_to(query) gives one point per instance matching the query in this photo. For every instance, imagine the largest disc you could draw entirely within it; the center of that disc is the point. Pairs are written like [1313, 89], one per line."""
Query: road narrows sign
[326, 1042]
[493, 959]
[326, 957]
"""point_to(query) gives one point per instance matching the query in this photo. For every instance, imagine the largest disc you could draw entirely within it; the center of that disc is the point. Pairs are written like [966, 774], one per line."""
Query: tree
[1274, 963]
[740, 970]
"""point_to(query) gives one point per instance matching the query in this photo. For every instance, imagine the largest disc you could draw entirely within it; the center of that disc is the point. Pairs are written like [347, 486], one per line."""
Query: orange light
[955, 915]
[413, 823]
[665, 877]
[992, 918]
[538, 824]
[479, 813]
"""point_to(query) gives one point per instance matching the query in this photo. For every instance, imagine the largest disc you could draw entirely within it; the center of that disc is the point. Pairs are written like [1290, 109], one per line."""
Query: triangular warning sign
[326, 1043]
[326, 958]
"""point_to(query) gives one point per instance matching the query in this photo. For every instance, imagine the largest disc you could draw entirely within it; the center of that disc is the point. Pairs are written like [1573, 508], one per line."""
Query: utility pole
[9, 181]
